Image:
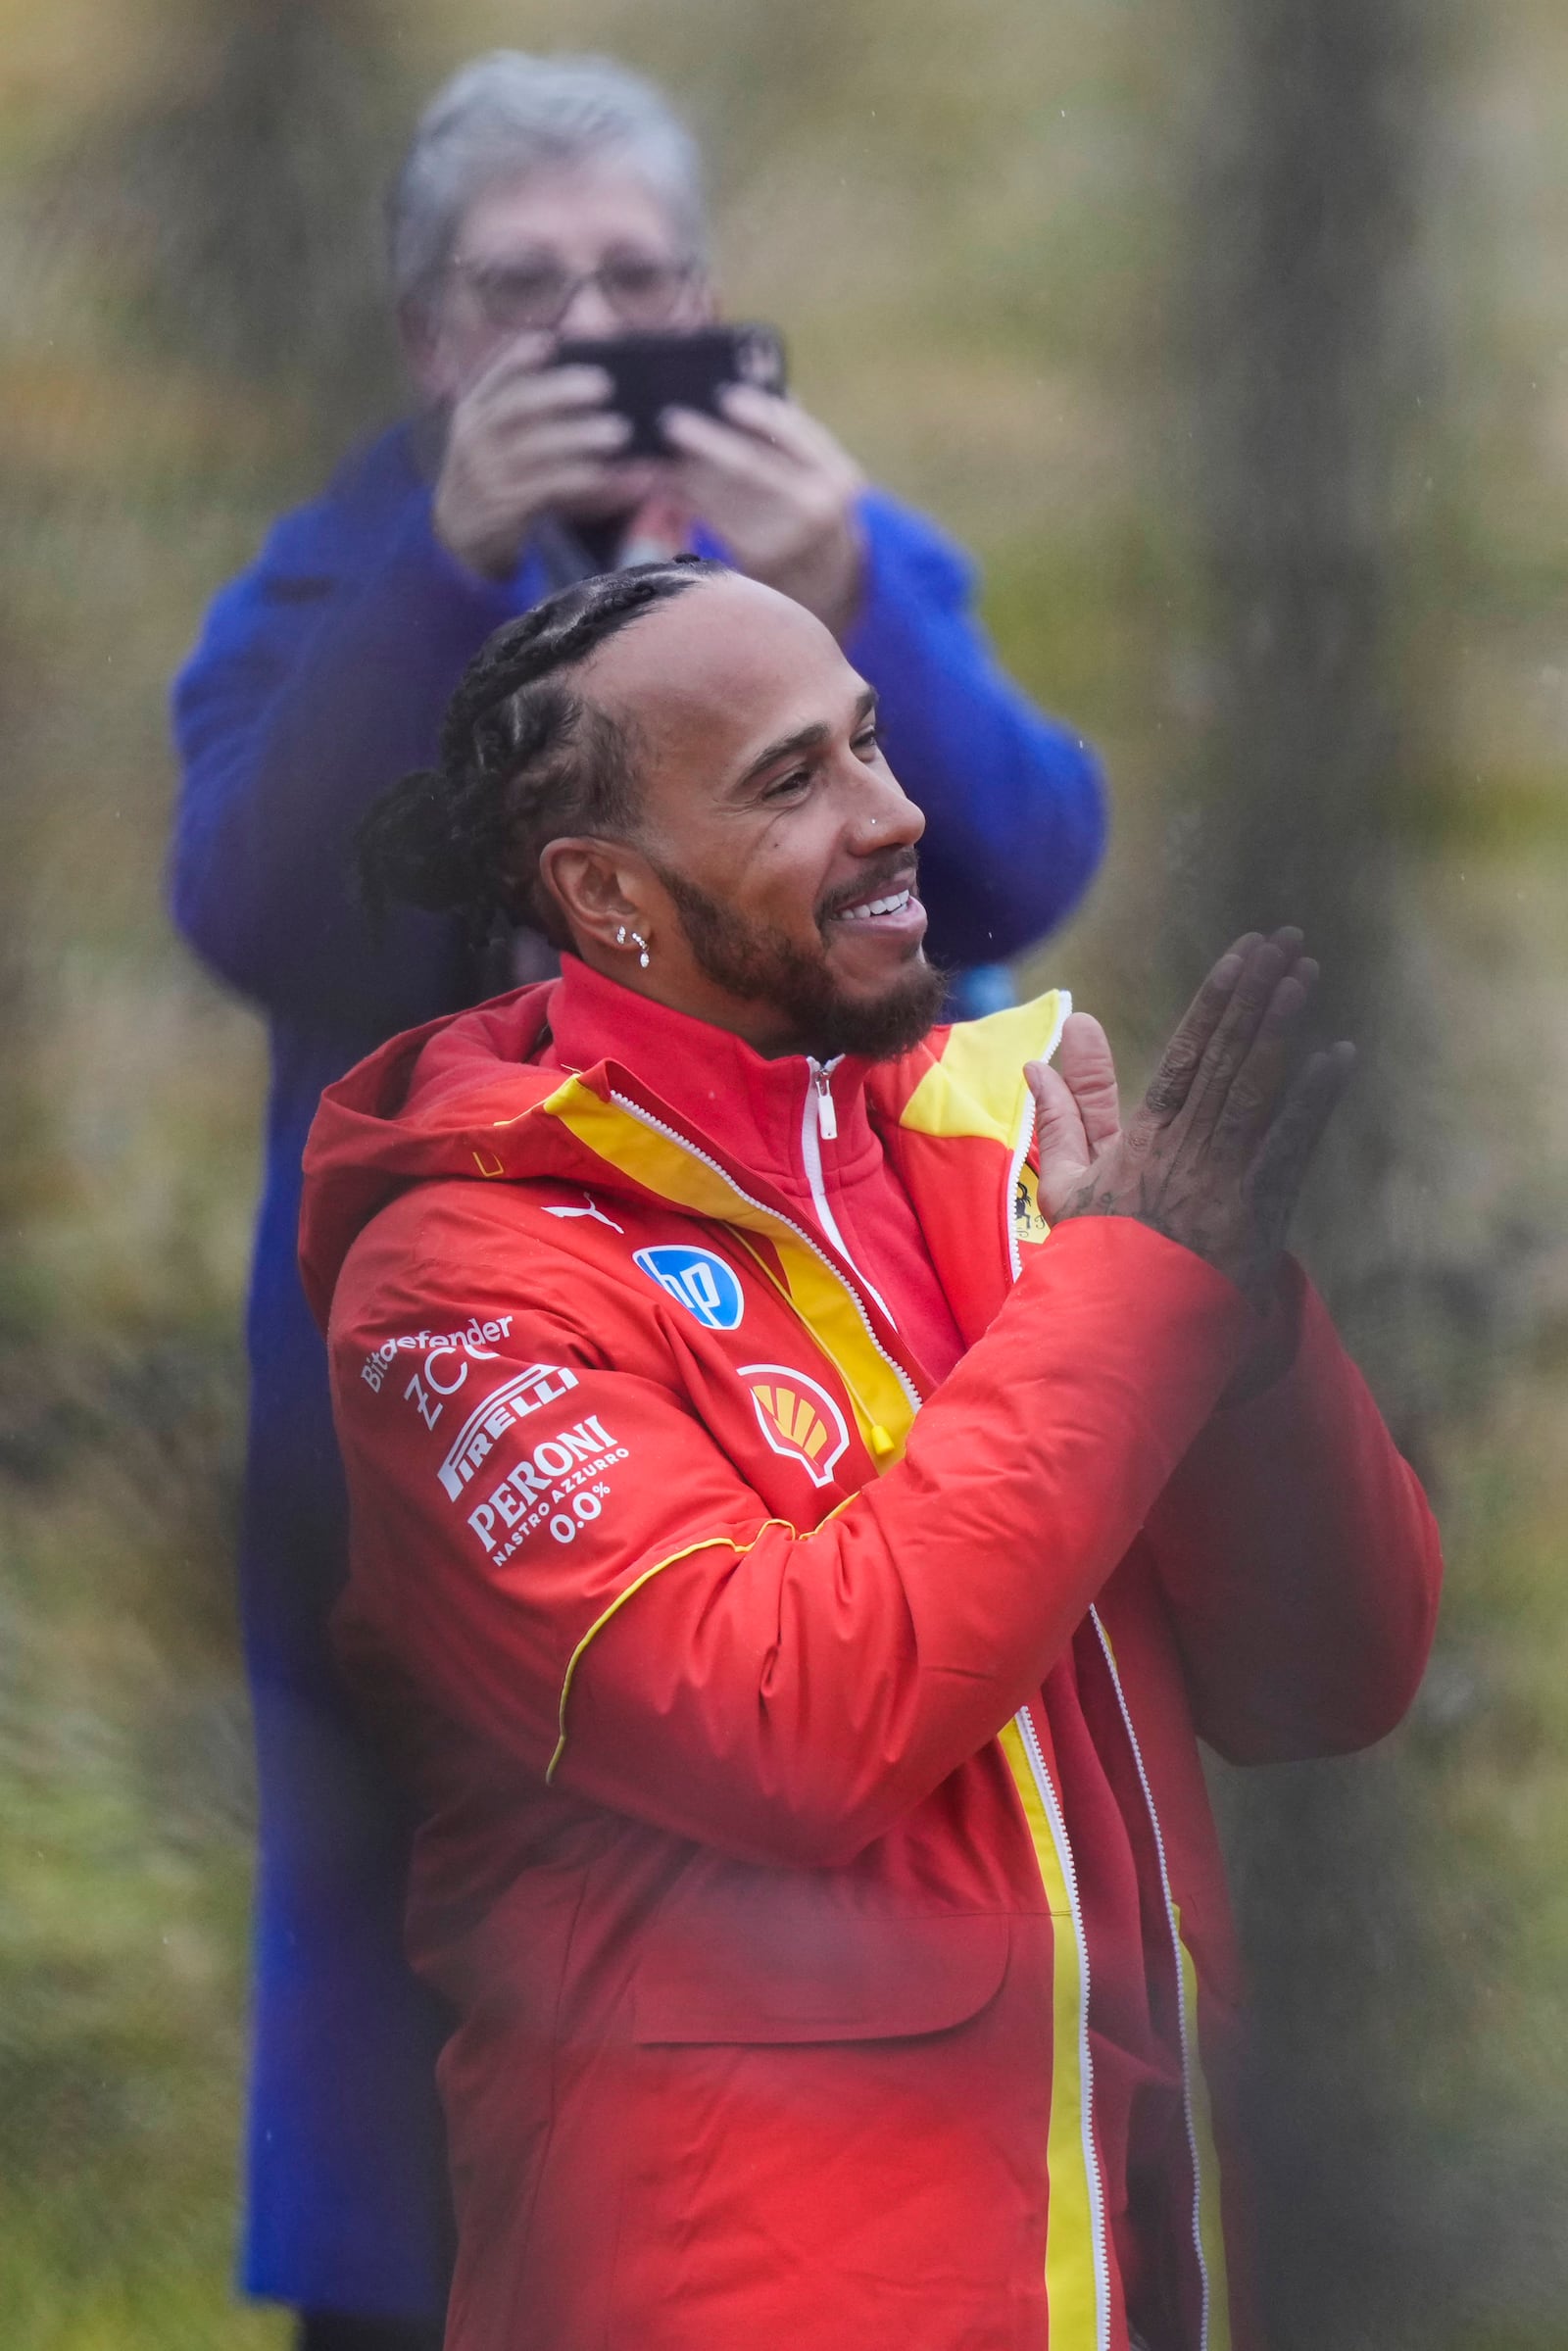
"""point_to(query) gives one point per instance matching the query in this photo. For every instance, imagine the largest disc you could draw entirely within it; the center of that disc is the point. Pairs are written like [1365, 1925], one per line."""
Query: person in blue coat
[540, 197]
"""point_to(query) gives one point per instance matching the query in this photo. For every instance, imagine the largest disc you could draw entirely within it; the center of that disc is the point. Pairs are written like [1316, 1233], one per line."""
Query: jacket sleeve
[1014, 808]
[1300, 1561]
[610, 1604]
[321, 677]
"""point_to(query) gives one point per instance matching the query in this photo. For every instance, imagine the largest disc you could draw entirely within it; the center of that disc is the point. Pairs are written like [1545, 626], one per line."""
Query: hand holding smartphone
[652, 372]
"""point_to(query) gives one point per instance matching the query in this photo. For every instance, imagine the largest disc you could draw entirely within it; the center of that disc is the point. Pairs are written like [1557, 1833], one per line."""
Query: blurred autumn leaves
[1235, 341]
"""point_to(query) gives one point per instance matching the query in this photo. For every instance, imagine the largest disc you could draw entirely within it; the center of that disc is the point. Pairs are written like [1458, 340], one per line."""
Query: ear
[423, 355]
[602, 887]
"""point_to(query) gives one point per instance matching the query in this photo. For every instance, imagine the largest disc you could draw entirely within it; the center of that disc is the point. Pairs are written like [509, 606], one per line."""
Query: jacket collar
[718, 1086]
[481, 1096]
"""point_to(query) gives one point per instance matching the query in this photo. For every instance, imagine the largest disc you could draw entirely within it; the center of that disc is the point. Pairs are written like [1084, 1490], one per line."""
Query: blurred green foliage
[976, 224]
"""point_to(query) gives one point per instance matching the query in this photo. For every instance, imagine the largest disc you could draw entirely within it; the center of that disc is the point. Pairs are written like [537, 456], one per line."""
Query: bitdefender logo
[799, 1418]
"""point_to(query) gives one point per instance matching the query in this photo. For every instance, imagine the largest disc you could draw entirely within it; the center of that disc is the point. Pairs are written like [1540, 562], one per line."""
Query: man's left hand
[775, 486]
[1216, 1155]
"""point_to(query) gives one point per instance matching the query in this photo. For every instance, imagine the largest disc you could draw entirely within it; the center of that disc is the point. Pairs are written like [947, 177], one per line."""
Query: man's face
[781, 849]
[522, 238]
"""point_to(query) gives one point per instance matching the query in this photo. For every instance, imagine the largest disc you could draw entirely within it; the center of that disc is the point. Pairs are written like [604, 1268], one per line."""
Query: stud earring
[644, 958]
[620, 934]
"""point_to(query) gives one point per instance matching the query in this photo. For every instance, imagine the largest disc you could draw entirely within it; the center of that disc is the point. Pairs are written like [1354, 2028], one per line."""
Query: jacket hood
[425, 1106]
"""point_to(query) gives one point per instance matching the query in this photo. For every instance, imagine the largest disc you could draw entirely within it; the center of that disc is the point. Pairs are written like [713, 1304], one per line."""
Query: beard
[757, 962]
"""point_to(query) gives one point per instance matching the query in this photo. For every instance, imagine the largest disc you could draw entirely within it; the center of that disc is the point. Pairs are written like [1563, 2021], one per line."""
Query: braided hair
[523, 762]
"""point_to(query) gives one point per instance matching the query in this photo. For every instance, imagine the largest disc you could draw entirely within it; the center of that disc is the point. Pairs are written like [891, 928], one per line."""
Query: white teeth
[877, 906]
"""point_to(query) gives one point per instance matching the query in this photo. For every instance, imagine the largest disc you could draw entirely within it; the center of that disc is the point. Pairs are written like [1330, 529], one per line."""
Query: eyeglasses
[641, 291]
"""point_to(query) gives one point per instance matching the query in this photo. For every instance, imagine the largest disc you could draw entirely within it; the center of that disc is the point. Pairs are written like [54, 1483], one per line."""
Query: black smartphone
[655, 372]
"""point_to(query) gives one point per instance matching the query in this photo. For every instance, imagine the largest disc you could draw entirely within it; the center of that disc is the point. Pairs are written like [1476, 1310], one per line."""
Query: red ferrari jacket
[815, 1851]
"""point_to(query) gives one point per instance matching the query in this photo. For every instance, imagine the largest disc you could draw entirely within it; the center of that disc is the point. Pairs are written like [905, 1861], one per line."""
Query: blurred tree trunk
[1307, 400]
[1308, 418]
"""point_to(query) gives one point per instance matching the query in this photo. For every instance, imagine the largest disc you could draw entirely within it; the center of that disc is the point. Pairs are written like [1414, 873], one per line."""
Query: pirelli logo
[514, 1400]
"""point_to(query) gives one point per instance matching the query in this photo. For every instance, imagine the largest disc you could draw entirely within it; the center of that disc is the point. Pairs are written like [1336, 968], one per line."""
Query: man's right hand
[1215, 1154]
[525, 439]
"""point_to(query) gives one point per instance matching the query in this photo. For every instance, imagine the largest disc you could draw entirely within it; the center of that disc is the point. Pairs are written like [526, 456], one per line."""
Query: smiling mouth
[871, 910]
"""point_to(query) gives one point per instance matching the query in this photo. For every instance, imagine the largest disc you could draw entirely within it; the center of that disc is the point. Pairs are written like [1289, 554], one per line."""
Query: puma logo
[597, 1214]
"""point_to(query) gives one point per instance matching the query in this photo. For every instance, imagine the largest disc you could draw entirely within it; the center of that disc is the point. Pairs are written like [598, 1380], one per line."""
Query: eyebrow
[804, 738]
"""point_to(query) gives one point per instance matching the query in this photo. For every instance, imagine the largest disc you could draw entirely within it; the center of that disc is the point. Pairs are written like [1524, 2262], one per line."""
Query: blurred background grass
[998, 237]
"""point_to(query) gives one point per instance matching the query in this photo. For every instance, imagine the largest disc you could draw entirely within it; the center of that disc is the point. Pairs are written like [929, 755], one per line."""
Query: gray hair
[507, 114]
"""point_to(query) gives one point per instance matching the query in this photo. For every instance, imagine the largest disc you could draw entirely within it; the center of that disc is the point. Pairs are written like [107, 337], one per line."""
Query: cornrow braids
[523, 760]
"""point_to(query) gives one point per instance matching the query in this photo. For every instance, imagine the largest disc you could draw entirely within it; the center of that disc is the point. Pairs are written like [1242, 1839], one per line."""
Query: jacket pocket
[808, 1970]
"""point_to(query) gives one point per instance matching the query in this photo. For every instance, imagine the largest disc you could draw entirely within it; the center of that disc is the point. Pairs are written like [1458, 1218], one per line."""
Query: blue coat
[322, 676]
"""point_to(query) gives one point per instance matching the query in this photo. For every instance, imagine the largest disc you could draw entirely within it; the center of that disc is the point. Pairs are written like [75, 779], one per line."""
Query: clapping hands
[1215, 1154]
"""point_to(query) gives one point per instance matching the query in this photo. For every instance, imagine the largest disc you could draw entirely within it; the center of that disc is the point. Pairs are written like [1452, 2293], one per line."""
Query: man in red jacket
[816, 1476]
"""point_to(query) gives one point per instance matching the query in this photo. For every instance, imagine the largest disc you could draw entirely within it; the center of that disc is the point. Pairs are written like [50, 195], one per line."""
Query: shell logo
[797, 1418]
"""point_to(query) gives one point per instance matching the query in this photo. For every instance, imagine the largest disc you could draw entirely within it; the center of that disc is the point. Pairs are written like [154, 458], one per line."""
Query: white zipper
[1020, 1152]
[1086, 2065]
[672, 1135]
[820, 1124]
[827, 1117]
[1187, 2055]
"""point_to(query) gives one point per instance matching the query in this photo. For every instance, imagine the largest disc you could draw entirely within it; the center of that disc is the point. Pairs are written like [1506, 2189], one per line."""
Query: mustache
[879, 877]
